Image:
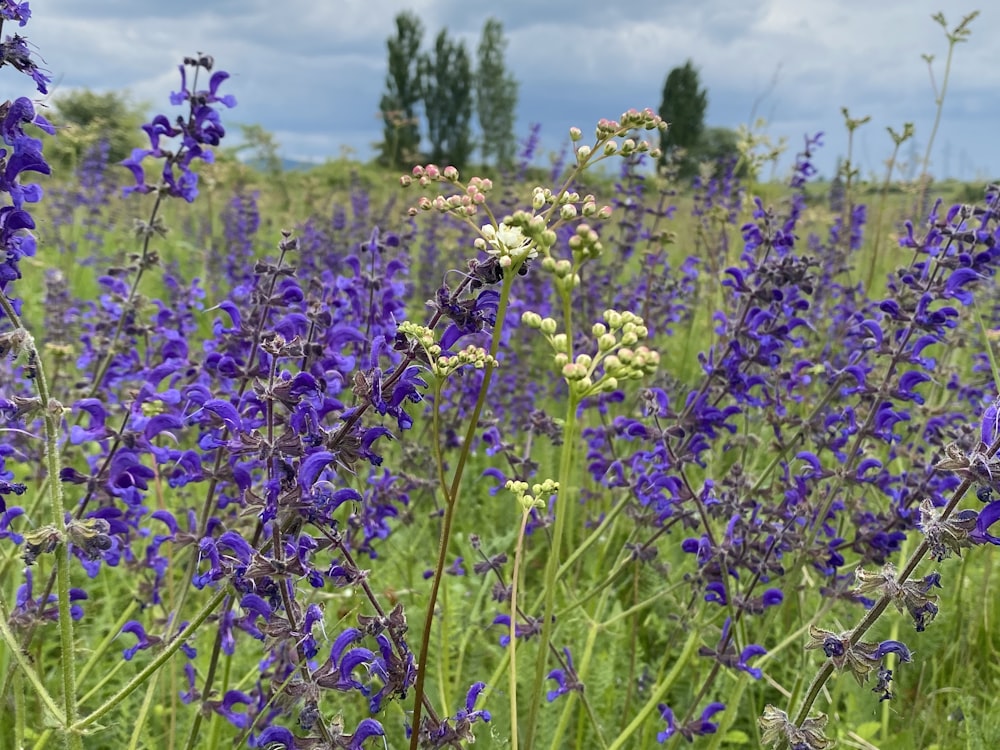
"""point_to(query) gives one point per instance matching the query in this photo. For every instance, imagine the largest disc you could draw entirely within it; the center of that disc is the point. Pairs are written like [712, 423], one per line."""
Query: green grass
[955, 671]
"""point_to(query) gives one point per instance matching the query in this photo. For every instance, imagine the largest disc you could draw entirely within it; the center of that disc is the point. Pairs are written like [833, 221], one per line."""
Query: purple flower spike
[200, 131]
[990, 422]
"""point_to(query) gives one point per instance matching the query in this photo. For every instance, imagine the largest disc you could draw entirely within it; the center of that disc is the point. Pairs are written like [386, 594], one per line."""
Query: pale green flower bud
[567, 212]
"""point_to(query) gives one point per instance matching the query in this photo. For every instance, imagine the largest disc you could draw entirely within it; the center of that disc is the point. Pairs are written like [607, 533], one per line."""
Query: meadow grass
[545, 458]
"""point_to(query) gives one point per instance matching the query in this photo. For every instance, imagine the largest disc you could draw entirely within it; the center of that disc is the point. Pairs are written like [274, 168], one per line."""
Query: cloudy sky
[312, 71]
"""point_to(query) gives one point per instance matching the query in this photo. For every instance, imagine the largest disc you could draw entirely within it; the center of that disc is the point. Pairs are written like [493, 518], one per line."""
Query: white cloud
[313, 72]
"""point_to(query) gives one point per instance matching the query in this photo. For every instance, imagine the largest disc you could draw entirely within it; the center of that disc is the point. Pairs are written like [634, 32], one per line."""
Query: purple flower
[144, 641]
[987, 517]
[200, 130]
[990, 423]
[16, 240]
[566, 679]
[697, 727]
[14, 50]
[456, 730]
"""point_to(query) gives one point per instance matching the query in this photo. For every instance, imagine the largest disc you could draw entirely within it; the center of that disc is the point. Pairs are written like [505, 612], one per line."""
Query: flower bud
[531, 319]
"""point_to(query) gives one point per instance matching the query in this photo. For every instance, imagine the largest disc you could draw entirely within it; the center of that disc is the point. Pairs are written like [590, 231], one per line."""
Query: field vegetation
[592, 454]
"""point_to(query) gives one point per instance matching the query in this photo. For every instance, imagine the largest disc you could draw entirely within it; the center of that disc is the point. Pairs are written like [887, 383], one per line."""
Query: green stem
[29, 671]
[102, 369]
[52, 415]
[563, 499]
[158, 661]
[661, 690]
[600, 533]
[581, 671]
[140, 720]
[515, 574]
[871, 617]
[879, 216]
[452, 504]
[105, 644]
[20, 711]
[732, 704]
[958, 34]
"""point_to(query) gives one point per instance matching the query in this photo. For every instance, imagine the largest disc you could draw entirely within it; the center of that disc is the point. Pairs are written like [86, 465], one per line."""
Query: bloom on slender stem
[202, 128]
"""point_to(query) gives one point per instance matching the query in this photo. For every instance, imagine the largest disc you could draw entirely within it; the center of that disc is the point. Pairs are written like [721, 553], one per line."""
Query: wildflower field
[549, 458]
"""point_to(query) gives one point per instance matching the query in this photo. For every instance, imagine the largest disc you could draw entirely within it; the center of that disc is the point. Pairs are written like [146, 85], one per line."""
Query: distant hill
[288, 165]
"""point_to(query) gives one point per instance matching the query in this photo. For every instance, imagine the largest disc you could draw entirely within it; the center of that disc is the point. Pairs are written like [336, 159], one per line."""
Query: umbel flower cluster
[513, 462]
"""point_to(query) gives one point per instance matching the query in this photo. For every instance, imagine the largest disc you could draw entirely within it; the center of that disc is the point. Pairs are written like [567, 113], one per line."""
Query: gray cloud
[313, 72]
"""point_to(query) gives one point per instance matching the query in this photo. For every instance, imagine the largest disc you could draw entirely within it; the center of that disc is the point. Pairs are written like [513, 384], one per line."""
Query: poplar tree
[496, 96]
[683, 106]
[446, 75]
[400, 145]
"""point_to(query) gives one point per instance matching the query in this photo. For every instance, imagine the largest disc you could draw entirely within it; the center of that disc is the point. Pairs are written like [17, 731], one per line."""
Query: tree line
[441, 85]
[436, 92]
[439, 90]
